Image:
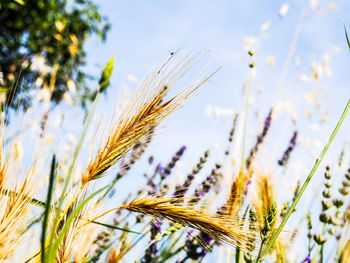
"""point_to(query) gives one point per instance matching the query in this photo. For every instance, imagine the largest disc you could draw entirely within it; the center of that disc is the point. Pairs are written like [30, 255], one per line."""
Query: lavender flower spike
[293, 141]
[260, 139]
[172, 163]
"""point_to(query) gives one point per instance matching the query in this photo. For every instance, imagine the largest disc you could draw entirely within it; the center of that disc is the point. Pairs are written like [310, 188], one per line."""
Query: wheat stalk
[220, 226]
[13, 208]
[144, 111]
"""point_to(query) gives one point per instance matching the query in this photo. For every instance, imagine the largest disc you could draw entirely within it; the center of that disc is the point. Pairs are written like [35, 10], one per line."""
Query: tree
[41, 44]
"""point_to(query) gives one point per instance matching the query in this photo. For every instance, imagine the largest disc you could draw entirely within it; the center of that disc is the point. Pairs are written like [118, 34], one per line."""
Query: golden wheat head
[222, 227]
[144, 111]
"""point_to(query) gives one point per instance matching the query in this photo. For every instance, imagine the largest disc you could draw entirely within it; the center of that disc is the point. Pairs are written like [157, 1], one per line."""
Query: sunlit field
[174, 131]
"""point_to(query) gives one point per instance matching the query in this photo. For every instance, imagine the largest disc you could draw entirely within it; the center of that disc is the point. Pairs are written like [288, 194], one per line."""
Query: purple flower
[306, 260]
[260, 138]
[167, 170]
[151, 253]
[181, 190]
[283, 161]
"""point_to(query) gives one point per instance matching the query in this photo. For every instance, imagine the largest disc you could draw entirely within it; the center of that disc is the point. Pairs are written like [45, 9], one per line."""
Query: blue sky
[144, 32]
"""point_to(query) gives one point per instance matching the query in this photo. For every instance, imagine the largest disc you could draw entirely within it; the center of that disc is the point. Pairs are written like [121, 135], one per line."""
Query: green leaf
[106, 75]
[47, 207]
[76, 154]
[37, 202]
[115, 227]
[347, 37]
[54, 247]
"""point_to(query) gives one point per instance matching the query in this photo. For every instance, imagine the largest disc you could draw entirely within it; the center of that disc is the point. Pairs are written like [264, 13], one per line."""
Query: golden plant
[222, 227]
[144, 111]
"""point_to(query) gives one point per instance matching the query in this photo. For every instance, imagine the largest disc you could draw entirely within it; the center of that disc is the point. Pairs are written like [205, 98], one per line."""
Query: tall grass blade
[48, 207]
[106, 74]
[307, 181]
[347, 37]
[54, 247]
[115, 227]
[103, 84]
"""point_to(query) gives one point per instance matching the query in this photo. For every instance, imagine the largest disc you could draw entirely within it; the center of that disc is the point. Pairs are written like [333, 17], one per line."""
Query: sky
[145, 32]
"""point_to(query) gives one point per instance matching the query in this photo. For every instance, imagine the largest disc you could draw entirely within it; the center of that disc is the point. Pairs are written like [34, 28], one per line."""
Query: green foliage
[54, 31]
[48, 206]
[55, 243]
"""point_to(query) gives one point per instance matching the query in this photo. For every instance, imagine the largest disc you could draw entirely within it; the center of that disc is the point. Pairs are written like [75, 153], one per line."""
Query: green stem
[238, 255]
[81, 139]
[322, 246]
[315, 257]
[260, 250]
[32, 257]
[307, 181]
[47, 207]
[244, 135]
